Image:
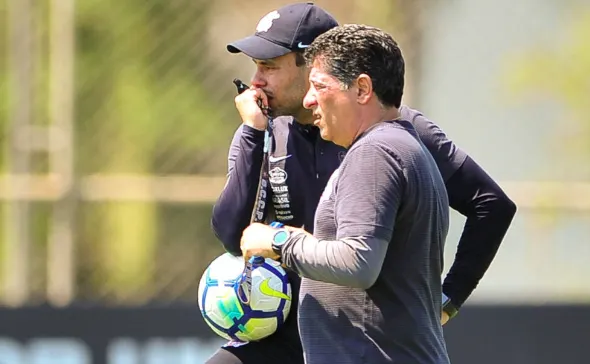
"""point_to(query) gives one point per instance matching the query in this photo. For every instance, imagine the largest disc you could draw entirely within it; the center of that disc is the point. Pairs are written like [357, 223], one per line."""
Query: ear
[364, 88]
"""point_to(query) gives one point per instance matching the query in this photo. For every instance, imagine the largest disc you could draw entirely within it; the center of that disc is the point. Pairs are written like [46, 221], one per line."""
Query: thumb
[295, 230]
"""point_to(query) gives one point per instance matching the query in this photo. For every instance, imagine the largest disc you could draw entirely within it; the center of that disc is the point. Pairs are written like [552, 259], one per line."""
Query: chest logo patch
[277, 175]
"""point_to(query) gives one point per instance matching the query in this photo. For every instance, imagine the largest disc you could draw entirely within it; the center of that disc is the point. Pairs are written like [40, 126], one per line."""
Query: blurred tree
[148, 100]
[4, 95]
[404, 21]
[3, 116]
[138, 97]
[559, 71]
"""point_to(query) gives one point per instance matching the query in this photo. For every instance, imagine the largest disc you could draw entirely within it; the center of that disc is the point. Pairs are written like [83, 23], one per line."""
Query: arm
[356, 256]
[475, 195]
[353, 262]
[233, 209]
[489, 212]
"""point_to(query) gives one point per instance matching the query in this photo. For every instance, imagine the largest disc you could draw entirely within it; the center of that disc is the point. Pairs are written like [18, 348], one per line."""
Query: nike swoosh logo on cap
[278, 159]
[301, 45]
[265, 289]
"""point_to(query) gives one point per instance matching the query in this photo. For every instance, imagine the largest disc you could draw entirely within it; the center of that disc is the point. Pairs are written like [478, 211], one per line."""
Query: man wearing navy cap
[301, 164]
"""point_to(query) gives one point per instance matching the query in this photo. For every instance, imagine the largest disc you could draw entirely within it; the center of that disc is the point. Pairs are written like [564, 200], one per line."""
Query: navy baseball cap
[291, 28]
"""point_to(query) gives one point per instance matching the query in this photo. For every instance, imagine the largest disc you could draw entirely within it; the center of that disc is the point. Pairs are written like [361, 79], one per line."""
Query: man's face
[334, 108]
[283, 82]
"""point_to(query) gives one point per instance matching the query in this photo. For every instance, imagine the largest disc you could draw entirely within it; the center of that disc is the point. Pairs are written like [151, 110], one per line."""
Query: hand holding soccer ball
[257, 241]
[228, 316]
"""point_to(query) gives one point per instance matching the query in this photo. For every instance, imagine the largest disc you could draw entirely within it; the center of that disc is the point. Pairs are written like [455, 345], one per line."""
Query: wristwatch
[449, 307]
[279, 239]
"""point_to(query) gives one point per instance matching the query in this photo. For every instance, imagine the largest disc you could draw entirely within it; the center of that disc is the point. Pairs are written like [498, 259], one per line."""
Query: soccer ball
[226, 313]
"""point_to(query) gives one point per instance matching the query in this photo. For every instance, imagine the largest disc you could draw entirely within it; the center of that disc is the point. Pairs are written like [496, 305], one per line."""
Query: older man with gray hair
[371, 272]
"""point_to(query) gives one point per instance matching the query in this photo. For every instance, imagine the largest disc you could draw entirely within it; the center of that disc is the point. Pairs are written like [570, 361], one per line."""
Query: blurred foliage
[3, 71]
[559, 71]
[139, 97]
[141, 107]
[139, 90]
[185, 245]
[151, 98]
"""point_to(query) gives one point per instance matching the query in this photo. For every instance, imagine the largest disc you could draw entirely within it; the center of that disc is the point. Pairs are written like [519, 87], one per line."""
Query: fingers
[251, 105]
[248, 98]
[261, 98]
[244, 242]
[295, 229]
[245, 251]
[444, 318]
[253, 96]
[246, 255]
[257, 240]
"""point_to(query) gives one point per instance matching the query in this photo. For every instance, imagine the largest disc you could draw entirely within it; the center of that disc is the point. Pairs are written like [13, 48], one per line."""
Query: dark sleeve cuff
[251, 134]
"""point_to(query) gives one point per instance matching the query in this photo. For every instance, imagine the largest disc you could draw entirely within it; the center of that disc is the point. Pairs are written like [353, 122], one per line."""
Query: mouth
[270, 102]
[316, 119]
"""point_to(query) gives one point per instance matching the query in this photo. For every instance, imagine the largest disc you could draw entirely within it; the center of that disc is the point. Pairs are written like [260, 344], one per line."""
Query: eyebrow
[317, 81]
[264, 62]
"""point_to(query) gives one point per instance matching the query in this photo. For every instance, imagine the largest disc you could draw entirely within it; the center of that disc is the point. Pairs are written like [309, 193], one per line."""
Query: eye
[318, 86]
[265, 66]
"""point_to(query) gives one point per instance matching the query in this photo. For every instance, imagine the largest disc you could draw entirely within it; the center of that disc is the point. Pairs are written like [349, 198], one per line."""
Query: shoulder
[408, 113]
[448, 156]
[385, 144]
[390, 137]
[429, 133]
[425, 127]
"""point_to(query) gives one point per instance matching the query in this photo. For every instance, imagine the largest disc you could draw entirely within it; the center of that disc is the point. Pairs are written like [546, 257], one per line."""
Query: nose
[310, 101]
[258, 80]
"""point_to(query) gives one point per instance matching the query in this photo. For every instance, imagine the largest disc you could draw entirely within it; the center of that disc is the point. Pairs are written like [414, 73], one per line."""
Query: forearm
[477, 248]
[489, 214]
[233, 209]
[353, 262]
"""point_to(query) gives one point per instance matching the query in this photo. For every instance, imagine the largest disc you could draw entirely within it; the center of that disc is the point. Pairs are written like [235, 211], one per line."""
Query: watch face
[281, 237]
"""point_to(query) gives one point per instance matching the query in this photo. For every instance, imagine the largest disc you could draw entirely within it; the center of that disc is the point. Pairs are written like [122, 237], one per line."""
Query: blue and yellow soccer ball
[227, 314]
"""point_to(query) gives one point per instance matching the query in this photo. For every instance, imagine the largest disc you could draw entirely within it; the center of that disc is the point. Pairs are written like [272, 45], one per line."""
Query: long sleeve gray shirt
[371, 286]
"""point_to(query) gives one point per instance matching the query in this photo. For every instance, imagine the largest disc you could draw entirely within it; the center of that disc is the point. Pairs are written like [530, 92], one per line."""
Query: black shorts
[268, 351]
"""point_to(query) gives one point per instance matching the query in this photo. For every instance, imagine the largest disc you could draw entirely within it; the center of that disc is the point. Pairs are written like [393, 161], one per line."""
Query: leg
[223, 356]
[267, 351]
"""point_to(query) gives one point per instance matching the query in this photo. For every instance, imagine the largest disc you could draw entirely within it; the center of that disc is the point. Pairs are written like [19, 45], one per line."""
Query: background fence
[116, 117]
